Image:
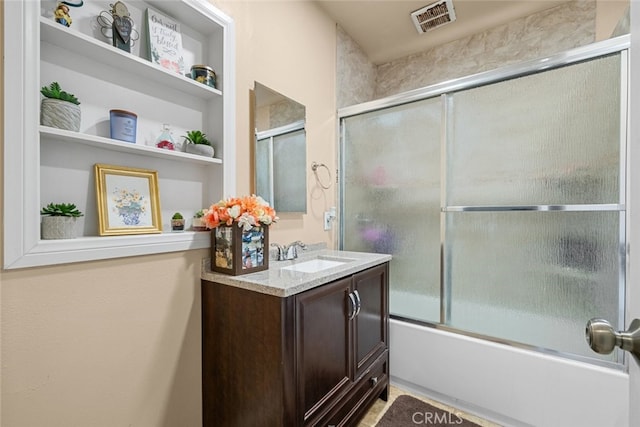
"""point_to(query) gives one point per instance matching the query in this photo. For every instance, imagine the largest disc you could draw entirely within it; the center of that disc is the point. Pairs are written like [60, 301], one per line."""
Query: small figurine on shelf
[165, 140]
[61, 14]
[118, 22]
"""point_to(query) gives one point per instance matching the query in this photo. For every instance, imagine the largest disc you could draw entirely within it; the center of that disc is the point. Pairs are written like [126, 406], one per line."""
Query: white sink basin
[316, 264]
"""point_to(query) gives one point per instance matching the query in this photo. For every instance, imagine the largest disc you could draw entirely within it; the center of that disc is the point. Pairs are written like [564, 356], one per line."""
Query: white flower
[265, 219]
[246, 221]
[234, 211]
[262, 201]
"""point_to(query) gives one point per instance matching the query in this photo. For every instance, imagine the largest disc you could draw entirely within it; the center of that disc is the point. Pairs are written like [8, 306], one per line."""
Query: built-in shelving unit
[43, 164]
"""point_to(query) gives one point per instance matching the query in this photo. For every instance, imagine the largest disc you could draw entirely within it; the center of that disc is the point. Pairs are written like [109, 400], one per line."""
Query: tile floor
[378, 408]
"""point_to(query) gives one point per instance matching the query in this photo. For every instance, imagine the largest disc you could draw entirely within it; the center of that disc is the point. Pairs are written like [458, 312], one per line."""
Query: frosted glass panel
[281, 179]
[289, 182]
[391, 199]
[263, 173]
[533, 277]
[544, 139]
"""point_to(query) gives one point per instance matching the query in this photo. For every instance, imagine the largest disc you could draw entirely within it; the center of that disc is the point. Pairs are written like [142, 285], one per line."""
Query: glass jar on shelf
[165, 139]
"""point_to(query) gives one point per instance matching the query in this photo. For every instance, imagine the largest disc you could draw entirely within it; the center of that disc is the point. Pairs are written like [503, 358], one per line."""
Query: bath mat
[407, 411]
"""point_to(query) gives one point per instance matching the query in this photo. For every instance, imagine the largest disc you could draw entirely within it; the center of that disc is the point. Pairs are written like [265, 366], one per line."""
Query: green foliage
[54, 91]
[196, 137]
[61, 209]
[177, 215]
[199, 214]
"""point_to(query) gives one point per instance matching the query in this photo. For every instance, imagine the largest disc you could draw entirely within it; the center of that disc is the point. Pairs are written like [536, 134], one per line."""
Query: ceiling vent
[433, 16]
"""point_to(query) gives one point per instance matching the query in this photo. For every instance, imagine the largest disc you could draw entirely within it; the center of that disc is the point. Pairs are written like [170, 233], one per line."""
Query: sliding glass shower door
[501, 203]
[391, 193]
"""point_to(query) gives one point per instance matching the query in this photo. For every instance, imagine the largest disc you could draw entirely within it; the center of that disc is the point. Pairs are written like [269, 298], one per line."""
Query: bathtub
[507, 385]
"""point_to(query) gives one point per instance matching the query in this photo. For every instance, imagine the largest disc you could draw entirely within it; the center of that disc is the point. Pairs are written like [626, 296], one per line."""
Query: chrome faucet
[289, 251]
[292, 249]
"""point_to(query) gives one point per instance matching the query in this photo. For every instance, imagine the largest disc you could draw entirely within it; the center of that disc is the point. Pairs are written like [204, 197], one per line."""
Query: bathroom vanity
[304, 343]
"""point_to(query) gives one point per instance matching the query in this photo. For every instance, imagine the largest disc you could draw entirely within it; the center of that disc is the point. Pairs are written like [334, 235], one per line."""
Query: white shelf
[125, 147]
[102, 53]
[35, 170]
[91, 248]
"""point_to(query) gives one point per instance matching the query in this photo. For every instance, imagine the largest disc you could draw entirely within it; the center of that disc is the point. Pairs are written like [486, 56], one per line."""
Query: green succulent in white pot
[198, 221]
[196, 142]
[177, 222]
[59, 221]
[59, 109]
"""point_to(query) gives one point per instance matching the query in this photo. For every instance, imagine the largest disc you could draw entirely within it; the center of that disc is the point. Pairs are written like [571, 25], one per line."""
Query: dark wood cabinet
[317, 358]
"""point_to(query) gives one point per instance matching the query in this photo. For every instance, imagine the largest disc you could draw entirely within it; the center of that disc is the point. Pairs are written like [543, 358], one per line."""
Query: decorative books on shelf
[164, 41]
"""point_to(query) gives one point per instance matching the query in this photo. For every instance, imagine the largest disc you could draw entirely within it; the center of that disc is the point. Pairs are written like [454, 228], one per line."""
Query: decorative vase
[235, 251]
[200, 149]
[198, 224]
[60, 114]
[58, 227]
[177, 225]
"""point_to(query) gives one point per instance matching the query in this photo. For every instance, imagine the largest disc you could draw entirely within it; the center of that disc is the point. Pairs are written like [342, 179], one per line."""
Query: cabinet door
[371, 322]
[323, 337]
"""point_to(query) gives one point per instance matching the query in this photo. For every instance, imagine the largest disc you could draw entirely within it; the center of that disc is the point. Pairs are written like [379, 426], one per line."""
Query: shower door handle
[602, 338]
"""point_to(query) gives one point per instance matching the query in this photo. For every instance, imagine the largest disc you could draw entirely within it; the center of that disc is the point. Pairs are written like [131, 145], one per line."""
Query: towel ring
[314, 168]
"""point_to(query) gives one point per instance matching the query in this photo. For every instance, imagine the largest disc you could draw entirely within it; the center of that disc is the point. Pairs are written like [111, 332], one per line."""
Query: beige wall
[290, 47]
[608, 15]
[117, 342]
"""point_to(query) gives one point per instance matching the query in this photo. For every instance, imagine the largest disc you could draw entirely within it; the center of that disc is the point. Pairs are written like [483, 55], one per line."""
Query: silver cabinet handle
[374, 381]
[358, 302]
[354, 306]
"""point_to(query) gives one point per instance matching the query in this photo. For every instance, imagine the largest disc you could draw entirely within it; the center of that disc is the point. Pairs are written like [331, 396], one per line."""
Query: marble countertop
[284, 282]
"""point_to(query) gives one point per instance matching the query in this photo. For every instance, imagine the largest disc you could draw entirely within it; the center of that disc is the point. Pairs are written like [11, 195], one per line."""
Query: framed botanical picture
[128, 201]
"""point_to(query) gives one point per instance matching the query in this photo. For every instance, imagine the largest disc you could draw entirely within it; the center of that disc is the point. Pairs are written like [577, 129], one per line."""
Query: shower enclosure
[501, 197]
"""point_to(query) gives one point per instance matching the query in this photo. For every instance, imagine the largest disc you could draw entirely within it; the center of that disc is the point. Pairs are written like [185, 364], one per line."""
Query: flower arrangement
[129, 205]
[247, 212]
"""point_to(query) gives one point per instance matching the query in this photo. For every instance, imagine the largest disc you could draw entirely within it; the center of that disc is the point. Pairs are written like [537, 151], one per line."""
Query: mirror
[280, 152]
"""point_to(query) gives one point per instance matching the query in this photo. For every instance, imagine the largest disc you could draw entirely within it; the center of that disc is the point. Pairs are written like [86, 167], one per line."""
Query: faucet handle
[293, 247]
[281, 251]
[291, 250]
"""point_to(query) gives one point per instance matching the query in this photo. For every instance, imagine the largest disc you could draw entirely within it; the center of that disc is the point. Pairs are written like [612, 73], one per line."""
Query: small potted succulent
[59, 221]
[196, 142]
[177, 222]
[198, 221]
[59, 109]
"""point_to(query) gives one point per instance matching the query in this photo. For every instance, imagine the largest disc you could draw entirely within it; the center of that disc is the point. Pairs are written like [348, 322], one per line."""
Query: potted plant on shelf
[59, 109]
[177, 222]
[198, 221]
[59, 221]
[196, 142]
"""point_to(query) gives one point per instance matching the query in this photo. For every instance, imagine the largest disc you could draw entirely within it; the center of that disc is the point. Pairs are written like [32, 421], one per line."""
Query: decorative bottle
[165, 140]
